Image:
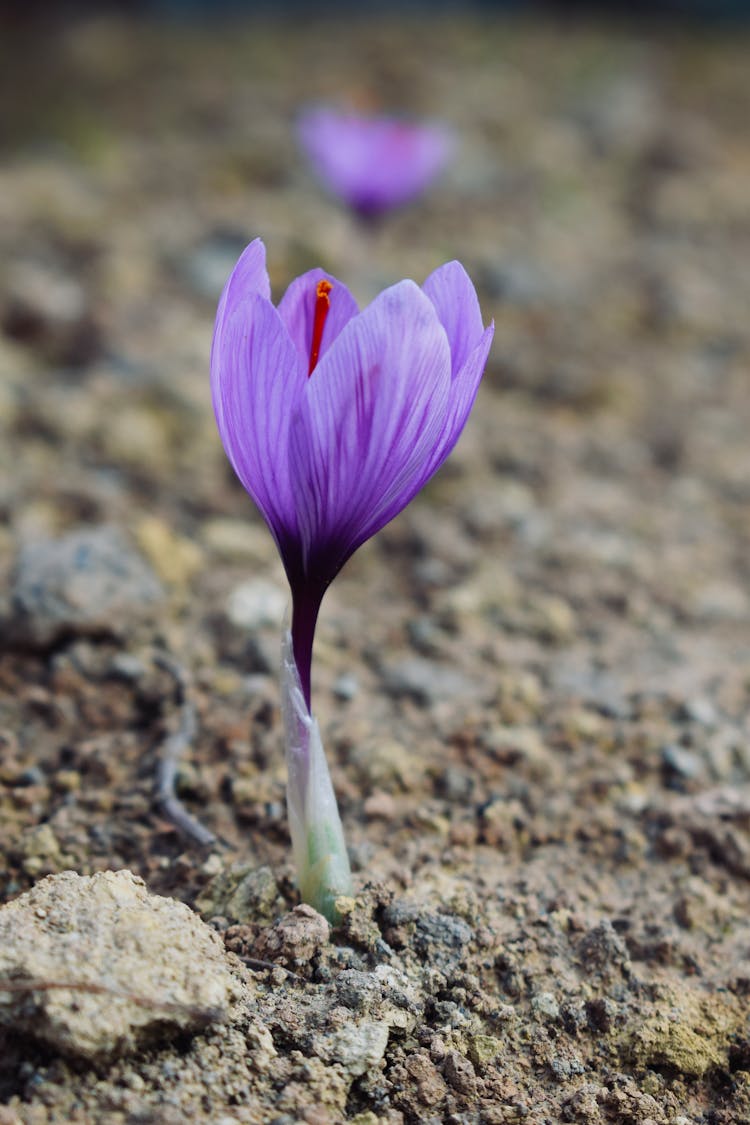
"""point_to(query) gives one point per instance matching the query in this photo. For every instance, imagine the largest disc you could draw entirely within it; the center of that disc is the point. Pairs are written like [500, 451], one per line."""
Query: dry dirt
[533, 686]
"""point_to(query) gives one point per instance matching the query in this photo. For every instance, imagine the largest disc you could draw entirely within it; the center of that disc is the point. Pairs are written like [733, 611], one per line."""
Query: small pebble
[380, 806]
[682, 762]
[699, 710]
[425, 681]
[257, 603]
[346, 687]
[545, 1004]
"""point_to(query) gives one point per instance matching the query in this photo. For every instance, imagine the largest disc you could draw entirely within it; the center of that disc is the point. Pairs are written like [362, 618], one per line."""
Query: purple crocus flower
[333, 419]
[373, 163]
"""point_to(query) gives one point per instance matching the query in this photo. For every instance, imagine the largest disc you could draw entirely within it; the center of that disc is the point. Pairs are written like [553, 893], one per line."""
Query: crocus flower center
[322, 305]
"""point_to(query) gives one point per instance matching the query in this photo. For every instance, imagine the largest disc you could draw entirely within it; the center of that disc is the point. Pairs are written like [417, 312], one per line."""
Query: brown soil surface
[533, 686]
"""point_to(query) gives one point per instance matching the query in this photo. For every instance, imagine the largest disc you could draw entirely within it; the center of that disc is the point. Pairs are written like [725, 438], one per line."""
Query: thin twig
[266, 966]
[172, 749]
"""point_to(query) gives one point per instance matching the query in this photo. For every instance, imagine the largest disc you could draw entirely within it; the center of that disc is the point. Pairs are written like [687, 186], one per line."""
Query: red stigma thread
[322, 305]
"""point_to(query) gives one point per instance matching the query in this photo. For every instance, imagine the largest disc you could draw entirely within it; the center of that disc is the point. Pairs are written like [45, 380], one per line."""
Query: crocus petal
[297, 310]
[248, 277]
[454, 297]
[367, 421]
[462, 394]
[256, 377]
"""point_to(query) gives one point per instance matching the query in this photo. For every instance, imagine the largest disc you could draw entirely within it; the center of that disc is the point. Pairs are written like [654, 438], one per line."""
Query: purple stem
[305, 608]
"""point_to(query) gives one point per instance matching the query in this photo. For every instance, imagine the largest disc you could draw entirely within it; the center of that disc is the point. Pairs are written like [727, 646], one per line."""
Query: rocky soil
[534, 686]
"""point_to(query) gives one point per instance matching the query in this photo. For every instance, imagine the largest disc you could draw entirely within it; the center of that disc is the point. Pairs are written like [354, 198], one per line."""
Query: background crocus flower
[373, 163]
[333, 419]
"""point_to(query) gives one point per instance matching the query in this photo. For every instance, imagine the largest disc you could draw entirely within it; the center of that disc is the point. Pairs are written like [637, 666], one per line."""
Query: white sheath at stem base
[318, 844]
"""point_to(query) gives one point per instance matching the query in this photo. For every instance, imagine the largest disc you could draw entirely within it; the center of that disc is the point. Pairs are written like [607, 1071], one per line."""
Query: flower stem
[314, 822]
[305, 611]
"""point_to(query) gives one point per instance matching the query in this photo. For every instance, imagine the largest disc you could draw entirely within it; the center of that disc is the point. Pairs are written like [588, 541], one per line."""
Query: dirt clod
[96, 966]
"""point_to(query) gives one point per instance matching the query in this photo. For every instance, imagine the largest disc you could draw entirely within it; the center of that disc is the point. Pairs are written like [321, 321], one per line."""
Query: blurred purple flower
[332, 418]
[373, 163]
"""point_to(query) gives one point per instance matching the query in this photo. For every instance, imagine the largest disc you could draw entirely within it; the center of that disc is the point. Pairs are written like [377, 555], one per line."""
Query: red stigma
[322, 305]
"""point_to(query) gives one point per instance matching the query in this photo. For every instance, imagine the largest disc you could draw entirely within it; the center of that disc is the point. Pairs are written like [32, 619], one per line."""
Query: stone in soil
[144, 967]
[88, 582]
